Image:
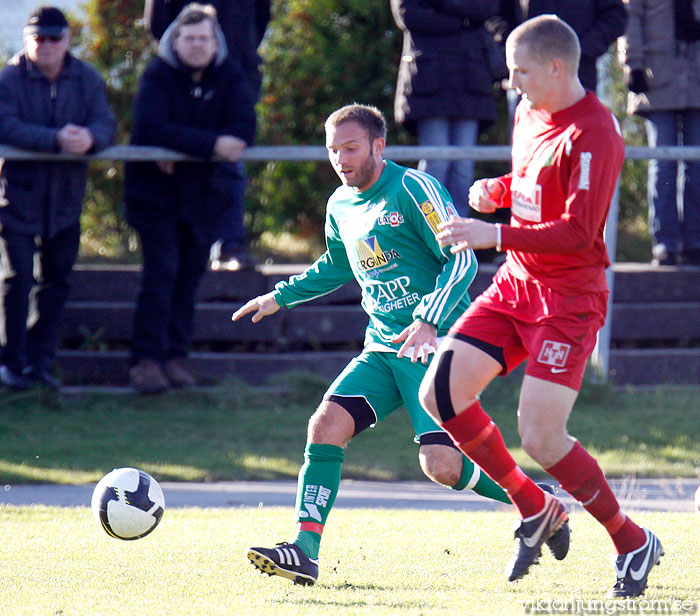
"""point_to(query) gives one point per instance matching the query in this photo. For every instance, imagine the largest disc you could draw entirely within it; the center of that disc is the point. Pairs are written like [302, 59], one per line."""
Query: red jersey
[565, 168]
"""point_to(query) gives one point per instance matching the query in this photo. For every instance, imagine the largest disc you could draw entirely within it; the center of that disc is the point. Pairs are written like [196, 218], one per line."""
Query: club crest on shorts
[554, 353]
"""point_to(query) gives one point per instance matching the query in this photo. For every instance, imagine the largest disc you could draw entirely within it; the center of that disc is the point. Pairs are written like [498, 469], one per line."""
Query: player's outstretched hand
[465, 233]
[263, 306]
[419, 339]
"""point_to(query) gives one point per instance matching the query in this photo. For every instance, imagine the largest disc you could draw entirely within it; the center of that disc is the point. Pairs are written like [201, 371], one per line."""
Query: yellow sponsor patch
[430, 215]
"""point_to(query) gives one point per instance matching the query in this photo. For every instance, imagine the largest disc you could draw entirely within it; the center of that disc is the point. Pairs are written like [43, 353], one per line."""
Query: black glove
[637, 81]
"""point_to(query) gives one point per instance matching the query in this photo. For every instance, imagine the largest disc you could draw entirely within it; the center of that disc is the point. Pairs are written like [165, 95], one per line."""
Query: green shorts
[374, 384]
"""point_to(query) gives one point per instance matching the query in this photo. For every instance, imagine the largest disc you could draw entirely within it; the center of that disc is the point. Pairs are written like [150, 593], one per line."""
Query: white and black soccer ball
[127, 503]
[697, 500]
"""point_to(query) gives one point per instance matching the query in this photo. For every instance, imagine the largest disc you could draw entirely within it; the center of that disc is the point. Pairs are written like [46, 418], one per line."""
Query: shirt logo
[554, 354]
[584, 181]
[430, 215]
[371, 255]
[546, 158]
[526, 196]
[394, 219]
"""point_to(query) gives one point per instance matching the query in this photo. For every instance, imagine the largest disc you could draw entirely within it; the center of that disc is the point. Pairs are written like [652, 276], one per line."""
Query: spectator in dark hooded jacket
[192, 99]
[243, 23]
[444, 89]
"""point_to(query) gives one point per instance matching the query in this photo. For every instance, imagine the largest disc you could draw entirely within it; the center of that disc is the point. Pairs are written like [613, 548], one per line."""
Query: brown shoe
[147, 377]
[177, 372]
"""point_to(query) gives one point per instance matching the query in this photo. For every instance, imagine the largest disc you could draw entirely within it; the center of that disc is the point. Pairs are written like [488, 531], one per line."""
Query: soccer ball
[127, 503]
[697, 500]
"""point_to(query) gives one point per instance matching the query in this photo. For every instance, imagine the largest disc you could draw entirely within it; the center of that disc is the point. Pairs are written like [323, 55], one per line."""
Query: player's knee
[540, 447]
[330, 425]
[441, 464]
[532, 445]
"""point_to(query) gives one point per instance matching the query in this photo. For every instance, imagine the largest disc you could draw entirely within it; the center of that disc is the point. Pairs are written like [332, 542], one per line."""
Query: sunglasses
[43, 39]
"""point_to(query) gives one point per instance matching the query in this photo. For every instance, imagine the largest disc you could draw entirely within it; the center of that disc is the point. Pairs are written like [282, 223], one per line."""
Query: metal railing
[319, 153]
[601, 354]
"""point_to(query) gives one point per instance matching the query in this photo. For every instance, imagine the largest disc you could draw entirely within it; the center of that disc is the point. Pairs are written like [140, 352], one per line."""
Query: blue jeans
[674, 206]
[456, 175]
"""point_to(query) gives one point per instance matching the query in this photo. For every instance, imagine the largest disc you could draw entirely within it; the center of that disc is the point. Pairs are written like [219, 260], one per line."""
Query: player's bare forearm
[262, 306]
[465, 233]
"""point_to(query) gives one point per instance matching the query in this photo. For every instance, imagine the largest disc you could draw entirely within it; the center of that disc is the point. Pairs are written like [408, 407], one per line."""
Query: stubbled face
[529, 77]
[195, 45]
[47, 52]
[357, 162]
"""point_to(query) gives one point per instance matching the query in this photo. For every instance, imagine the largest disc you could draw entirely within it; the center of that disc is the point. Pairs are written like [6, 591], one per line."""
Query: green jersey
[385, 239]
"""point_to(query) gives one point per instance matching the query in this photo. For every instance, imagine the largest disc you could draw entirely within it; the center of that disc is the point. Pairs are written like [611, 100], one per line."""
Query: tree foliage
[318, 56]
[115, 42]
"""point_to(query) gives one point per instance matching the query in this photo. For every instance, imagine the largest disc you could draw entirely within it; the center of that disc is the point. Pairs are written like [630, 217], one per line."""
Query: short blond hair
[548, 37]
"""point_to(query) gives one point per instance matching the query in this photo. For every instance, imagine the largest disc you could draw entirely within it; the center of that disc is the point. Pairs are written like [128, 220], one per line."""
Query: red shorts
[526, 320]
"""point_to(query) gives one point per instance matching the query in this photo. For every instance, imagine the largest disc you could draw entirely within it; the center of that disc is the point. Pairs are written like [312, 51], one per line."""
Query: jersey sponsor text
[371, 256]
[431, 215]
[584, 179]
[393, 294]
[393, 219]
[526, 196]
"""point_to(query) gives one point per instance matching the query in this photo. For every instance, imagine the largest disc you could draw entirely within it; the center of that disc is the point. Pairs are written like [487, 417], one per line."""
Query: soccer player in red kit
[546, 303]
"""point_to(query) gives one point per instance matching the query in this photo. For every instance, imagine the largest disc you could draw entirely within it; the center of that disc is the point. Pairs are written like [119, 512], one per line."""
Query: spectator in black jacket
[49, 102]
[192, 99]
[444, 91]
[243, 23]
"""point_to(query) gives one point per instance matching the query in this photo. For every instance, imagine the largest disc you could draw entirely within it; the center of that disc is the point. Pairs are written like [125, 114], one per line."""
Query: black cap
[46, 21]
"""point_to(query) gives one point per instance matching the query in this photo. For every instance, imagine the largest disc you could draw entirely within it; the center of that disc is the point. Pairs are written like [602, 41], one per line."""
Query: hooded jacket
[243, 23]
[173, 111]
[672, 66]
[38, 197]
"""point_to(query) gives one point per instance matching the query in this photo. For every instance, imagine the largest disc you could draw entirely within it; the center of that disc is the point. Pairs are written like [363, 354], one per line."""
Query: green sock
[474, 478]
[317, 487]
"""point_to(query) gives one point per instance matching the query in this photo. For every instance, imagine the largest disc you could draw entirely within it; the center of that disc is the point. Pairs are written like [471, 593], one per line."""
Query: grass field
[236, 432]
[58, 562]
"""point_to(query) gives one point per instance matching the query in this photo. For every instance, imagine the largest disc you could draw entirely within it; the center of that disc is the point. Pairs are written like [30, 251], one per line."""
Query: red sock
[480, 439]
[579, 474]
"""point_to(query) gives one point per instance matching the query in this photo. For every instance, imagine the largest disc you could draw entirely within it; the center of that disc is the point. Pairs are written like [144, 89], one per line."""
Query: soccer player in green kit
[380, 230]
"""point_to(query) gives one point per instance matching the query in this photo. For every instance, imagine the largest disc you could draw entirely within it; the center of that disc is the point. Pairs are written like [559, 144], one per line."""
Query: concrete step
[655, 326]
[639, 367]
[673, 324]
[112, 367]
